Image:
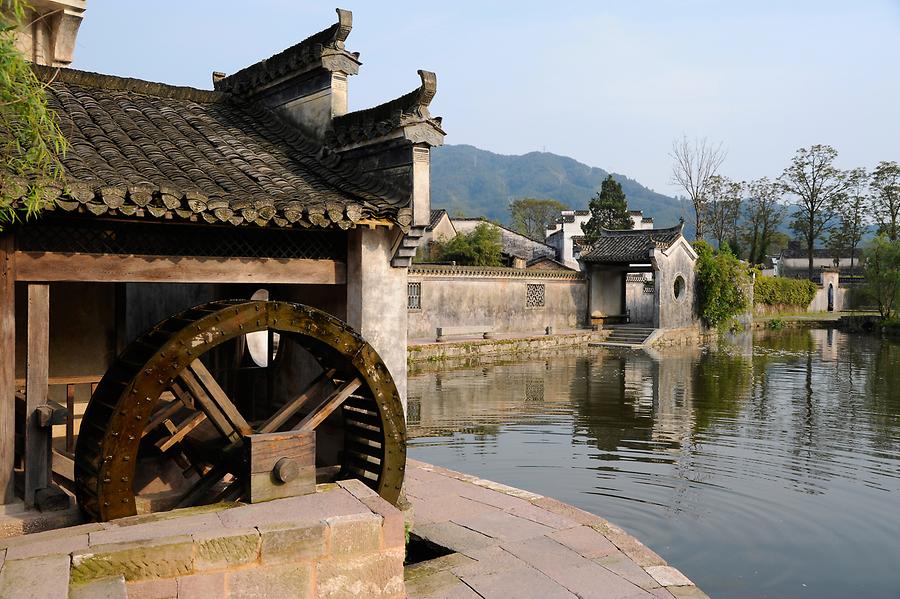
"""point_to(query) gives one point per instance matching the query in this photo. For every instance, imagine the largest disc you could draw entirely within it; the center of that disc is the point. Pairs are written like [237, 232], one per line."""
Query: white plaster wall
[376, 298]
[496, 302]
[606, 293]
[681, 312]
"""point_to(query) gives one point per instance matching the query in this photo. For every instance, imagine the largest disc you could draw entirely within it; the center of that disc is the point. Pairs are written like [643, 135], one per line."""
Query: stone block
[50, 535]
[156, 529]
[355, 533]
[35, 578]
[519, 582]
[687, 593]
[375, 576]
[357, 488]
[160, 558]
[570, 512]
[199, 586]
[585, 541]
[453, 536]
[225, 548]
[504, 526]
[104, 588]
[48, 546]
[667, 576]
[621, 564]
[393, 524]
[160, 588]
[283, 580]
[488, 560]
[280, 543]
[294, 511]
[440, 585]
[438, 564]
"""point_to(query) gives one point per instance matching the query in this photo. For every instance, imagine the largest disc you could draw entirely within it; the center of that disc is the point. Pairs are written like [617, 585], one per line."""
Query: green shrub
[480, 247]
[776, 324]
[721, 281]
[781, 291]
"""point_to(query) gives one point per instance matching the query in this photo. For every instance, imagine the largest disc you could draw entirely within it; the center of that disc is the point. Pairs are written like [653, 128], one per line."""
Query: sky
[609, 83]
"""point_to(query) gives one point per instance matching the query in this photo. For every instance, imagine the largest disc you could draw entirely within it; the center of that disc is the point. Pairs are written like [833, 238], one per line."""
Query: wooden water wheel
[179, 417]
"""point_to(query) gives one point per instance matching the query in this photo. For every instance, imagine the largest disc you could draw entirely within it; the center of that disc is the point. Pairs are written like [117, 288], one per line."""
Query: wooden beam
[315, 418]
[7, 368]
[38, 466]
[291, 407]
[108, 268]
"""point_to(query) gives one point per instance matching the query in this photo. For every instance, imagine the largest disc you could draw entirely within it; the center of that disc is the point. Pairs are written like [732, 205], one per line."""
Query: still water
[765, 467]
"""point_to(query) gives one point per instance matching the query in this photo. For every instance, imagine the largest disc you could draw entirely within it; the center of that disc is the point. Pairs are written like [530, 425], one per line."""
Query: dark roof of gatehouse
[436, 216]
[632, 245]
[138, 148]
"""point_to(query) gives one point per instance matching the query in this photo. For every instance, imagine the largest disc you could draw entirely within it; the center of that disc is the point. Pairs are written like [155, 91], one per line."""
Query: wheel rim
[164, 370]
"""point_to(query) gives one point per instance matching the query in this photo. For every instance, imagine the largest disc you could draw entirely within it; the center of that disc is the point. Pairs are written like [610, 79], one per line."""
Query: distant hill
[473, 182]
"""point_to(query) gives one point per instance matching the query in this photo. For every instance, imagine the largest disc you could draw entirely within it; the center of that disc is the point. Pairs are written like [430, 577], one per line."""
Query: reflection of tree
[883, 396]
[721, 383]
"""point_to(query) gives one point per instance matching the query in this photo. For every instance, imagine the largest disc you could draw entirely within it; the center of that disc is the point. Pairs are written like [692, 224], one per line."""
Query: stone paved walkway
[510, 543]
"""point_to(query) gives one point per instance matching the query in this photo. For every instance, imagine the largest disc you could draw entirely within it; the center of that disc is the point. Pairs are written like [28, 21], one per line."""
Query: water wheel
[170, 422]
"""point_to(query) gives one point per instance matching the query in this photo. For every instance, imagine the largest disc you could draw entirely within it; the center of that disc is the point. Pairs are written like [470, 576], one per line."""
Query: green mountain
[473, 182]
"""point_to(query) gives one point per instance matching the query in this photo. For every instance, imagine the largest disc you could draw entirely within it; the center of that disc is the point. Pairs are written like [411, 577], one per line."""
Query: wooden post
[38, 449]
[7, 368]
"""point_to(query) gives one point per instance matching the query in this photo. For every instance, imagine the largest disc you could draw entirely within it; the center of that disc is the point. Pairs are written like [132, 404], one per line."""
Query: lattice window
[98, 236]
[649, 286]
[414, 296]
[534, 295]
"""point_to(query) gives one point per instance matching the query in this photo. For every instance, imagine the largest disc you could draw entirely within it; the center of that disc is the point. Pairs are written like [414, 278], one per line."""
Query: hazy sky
[610, 83]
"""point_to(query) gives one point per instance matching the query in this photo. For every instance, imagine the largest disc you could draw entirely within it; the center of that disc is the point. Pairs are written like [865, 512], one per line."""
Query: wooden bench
[483, 330]
[612, 319]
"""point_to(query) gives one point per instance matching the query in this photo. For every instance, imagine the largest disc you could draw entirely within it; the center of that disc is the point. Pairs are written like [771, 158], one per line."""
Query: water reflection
[758, 466]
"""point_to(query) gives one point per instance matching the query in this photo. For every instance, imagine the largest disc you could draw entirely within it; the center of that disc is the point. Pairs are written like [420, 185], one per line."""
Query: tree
[30, 139]
[763, 213]
[609, 210]
[883, 273]
[817, 184]
[722, 208]
[853, 216]
[694, 165]
[885, 188]
[532, 216]
[480, 247]
[722, 281]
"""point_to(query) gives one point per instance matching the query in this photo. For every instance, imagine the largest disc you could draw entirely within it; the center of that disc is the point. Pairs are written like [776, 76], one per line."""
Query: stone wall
[495, 297]
[343, 541]
[681, 311]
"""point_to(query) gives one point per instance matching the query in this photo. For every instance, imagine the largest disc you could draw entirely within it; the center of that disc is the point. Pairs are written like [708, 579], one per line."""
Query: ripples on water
[769, 467]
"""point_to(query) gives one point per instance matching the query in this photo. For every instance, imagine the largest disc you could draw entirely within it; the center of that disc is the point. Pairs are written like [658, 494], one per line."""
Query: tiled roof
[328, 42]
[514, 243]
[436, 216]
[146, 149]
[633, 245]
[411, 108]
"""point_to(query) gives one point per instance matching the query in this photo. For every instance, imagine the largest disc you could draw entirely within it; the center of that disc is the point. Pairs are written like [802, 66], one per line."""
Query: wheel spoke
[181, 431]
[334, 401]
[290, 408]
[220, 398]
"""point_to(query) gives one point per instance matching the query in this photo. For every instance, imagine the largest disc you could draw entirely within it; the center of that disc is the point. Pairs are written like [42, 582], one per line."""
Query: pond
[765, 467]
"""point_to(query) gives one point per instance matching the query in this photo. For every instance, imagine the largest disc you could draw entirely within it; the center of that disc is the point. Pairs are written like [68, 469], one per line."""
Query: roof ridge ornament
[344, 25]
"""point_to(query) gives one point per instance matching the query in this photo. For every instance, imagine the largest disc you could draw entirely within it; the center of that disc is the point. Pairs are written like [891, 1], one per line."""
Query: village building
[566, 235]
[265, 188]
[665, 255]
[793, 262]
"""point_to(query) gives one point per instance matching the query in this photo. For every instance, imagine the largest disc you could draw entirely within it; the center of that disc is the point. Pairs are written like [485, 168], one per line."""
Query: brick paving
[509, 543]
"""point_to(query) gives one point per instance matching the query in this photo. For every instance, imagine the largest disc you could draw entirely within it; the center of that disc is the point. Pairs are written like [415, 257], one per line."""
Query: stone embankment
[423, 350]
[506, 542]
